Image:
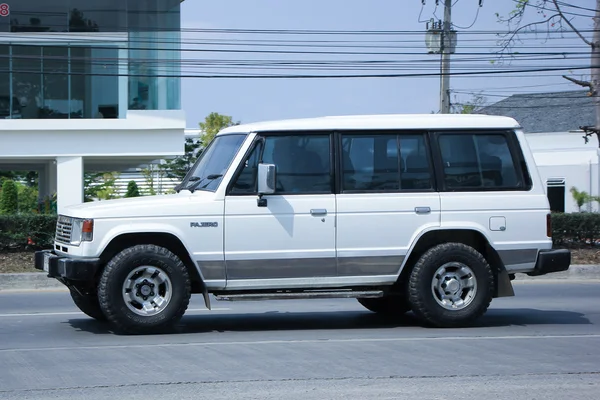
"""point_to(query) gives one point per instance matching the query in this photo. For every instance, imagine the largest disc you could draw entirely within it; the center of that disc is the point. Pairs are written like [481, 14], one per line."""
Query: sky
[251, 100]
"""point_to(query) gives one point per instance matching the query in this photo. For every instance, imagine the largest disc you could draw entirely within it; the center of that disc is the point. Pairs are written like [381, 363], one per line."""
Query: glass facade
[72, 73]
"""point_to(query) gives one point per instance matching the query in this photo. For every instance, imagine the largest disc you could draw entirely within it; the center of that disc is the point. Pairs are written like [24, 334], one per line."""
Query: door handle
[422, 210]
[318, 211]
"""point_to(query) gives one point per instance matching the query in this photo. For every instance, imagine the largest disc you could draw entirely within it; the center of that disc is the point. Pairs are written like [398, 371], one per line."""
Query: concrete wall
[60, 148]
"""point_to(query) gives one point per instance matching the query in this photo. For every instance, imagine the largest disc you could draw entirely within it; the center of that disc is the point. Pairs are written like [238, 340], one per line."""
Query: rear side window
[385, 162]
[479, 162]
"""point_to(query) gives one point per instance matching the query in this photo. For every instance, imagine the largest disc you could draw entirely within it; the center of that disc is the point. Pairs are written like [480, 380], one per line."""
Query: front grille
[64, 227]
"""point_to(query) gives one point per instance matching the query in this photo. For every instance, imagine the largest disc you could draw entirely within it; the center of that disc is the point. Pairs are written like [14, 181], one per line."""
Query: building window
[484, 161]
[65, 16]
[379, 163]
[59, 82]
[556, 194]
[27, 80]
[89, 73]
[9, 104]
[38, 16]
[154, 58]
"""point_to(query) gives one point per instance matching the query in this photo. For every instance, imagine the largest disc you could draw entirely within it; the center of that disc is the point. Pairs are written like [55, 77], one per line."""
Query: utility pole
[446, 51]
[441, 39]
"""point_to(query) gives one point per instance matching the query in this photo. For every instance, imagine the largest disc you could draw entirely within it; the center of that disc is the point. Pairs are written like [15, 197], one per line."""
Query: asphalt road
[542, 344]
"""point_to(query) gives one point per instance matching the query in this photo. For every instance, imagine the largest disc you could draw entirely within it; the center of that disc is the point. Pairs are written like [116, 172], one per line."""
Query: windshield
[208, 171]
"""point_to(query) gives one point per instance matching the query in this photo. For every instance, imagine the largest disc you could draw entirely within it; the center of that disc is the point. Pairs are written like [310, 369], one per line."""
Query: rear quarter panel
[522, 214]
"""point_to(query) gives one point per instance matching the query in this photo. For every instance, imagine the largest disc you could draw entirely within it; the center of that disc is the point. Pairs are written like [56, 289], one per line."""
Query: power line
[474, 20]
[312, 76]
[562, 3]
[542, 8]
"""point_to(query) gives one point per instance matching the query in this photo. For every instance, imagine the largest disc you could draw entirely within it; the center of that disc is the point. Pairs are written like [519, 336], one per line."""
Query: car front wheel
[88, 303]
[144, 289]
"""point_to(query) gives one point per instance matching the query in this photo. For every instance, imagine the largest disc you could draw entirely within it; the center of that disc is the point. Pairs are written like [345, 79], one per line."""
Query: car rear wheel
[451, 285]
[388, 305]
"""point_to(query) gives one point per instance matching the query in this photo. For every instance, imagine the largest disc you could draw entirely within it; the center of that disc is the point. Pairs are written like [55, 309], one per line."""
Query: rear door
[386, 199]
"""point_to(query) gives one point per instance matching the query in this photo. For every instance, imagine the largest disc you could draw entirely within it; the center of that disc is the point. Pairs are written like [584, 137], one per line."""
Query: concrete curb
[40, 281]
[28, 281]
[575, 273]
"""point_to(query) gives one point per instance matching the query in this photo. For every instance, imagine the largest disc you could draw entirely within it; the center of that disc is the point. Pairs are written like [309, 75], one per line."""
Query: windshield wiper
[178, 188]
[198, 181]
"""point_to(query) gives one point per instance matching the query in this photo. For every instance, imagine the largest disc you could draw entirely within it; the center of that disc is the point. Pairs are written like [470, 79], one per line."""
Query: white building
[551, 122]
[565, 161]
[88, 86]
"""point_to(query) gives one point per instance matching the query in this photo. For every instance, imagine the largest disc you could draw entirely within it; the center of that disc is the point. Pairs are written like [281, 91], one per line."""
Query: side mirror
[266, 179]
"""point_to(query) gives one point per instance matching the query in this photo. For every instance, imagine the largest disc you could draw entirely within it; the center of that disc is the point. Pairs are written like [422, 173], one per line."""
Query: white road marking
[307, 341]
[80, 313]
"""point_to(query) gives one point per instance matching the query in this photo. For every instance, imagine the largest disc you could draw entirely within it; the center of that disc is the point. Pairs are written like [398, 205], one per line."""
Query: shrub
[27, 199]
[26, 231]
[132, 190]
[575, 229]
[9, 203]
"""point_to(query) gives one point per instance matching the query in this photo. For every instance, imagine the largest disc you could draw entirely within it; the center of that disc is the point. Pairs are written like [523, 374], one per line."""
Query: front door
[292, 238]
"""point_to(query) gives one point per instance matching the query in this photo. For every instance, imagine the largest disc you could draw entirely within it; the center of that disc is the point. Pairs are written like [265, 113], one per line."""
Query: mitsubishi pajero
[433, 214]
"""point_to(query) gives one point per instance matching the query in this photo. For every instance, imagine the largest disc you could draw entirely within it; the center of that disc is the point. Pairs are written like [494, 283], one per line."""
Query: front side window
[472, 161]
[303, 164]
[246, 179]
[385, 162]
[213, 163]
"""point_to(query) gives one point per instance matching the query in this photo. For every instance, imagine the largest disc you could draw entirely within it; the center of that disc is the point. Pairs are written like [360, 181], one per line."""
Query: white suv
[429, 213]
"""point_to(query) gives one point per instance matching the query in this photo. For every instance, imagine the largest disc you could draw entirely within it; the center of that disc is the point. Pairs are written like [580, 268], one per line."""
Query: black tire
[388, 305]
[422, 297]
[88, 304]
[110, 289]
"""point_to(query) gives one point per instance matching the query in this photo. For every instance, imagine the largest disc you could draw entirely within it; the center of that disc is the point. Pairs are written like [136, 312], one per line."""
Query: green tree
[177, 167]
[213, 124]
[150, 174]
[100, 185]
[27, 199]
[473, 105]
[552, 16]
[30, 177]
[581, 198]
[109, 186]
[9, 203]
[7, 175]
[132, 190]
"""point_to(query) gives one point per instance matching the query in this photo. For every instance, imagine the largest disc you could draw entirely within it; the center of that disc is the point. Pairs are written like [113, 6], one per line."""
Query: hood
[180, 204]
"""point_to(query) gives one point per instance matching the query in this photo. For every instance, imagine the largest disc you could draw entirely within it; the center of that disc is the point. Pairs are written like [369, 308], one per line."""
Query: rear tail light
[549, 225]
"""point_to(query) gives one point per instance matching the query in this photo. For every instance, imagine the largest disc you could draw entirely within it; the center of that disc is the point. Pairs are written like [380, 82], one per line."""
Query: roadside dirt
[16, 262]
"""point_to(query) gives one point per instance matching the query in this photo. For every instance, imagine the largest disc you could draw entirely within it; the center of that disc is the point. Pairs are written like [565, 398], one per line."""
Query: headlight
[83, 231]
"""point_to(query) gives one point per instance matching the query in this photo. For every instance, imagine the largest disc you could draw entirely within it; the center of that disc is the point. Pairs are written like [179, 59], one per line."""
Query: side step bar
[340, 294]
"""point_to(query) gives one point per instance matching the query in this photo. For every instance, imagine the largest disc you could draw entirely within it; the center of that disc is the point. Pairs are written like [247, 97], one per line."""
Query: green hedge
[33, 231]
[575, 229]
[26, 231]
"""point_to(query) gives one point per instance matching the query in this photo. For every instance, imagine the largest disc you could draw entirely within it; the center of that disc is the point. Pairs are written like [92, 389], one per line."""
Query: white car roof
[375, 122]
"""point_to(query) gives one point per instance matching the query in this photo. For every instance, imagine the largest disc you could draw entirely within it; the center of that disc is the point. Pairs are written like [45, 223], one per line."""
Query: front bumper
[550, 261]
[61, 267]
